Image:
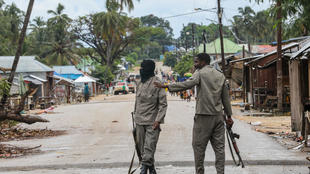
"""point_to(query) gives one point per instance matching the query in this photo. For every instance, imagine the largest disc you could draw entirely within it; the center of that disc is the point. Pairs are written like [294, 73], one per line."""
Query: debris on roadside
[241, 104]
[16, 133]
[277, 127]
[9, 151]
[257, 123]
[10, 131]
[46, 111]
[257, 114]
[300, 146]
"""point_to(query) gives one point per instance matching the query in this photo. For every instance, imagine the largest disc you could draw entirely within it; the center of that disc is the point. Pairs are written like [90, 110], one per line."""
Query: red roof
[263, 49]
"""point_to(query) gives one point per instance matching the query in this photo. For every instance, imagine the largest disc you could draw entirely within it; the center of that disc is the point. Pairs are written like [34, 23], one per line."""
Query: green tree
[38, 37]
[60, 47]
[254, 27]
[154, 21]
[122, 3]
[297, 12]
[6, 112]
[184, 65]
[103, 73]
[107, 33]
[160, 32]
[11, 21]
[132, 58]
[170, 59]
[212, 33]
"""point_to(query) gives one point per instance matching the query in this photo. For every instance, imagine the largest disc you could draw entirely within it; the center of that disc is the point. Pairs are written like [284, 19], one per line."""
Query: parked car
[121, 87]
[138, 77]
[132, 87]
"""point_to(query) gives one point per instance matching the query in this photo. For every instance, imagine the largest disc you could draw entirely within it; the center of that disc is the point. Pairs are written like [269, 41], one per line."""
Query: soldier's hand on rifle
[229, 122]
[156, 125]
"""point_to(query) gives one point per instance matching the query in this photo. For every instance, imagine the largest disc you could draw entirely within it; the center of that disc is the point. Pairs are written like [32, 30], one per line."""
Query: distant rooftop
[25, 64]
[66, 70]
[215, 47]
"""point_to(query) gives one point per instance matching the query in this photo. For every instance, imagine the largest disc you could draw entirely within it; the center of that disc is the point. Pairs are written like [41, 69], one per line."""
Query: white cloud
[161, 8]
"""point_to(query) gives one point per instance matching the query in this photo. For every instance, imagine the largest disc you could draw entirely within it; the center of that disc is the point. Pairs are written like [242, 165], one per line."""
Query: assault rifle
[231, 139]
[137, 150]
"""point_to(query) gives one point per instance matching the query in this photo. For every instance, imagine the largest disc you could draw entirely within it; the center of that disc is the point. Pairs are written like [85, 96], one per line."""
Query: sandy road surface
[99, 140]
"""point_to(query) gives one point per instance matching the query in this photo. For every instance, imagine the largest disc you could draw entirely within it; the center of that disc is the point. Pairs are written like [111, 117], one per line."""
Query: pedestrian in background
[212, 95]
[86, 92]
[150, 110]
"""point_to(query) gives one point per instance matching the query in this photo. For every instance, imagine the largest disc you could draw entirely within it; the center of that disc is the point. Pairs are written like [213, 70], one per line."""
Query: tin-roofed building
[69, 72]
[32, 71]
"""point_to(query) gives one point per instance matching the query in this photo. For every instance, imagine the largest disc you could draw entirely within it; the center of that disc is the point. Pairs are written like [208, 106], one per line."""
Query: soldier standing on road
[212, 95]
[150, 110]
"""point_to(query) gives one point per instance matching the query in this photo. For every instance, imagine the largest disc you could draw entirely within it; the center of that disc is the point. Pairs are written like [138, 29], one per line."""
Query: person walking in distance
[150, 110]
[212, 95]
[86, 92]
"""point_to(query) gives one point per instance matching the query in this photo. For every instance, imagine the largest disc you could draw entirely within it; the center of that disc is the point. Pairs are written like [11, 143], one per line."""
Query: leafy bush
[4, 87]
[185, 65]
[170, 59]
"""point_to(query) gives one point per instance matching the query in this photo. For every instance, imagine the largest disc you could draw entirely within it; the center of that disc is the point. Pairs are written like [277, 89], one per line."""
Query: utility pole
[193, 39]
[279, 57]
[204, 37]
[178, 49]
[220, 13]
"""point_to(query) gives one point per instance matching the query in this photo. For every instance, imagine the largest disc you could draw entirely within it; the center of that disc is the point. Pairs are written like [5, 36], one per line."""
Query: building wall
[268, 76]
[42, 75]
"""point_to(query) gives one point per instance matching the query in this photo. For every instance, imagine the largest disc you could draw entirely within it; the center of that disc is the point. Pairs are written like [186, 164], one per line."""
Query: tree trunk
[279, 57]
[19, 48]
[5, 112]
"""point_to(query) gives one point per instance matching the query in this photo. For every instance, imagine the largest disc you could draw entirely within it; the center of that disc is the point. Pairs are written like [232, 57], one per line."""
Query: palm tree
[108, 33]
[123, 3]
[60, 48]
[37, 37]
[14, 16]
[60, 22]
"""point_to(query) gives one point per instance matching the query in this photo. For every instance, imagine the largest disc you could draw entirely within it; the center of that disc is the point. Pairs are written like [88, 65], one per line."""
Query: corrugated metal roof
[25, 64]
[284, 48]
[245, 59]
[301, 51]
[84, 79]
[66, 70]
[62, 80]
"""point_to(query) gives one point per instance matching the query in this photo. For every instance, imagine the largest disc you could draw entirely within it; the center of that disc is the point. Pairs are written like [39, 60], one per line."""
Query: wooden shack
[261, 80]
[299, 69]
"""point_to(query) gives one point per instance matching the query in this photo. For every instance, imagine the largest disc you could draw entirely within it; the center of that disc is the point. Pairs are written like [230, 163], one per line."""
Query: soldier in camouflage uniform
[212, 95]
[150, 110]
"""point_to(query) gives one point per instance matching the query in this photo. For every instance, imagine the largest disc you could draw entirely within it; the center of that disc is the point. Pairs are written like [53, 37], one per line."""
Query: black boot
[152, 170]
[144, 169]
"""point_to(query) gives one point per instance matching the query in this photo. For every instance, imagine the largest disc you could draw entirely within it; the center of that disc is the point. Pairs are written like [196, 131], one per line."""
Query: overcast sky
[160, 8]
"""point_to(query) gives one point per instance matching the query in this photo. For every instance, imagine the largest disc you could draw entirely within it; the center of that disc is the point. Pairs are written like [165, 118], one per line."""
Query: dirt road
[99, 140]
